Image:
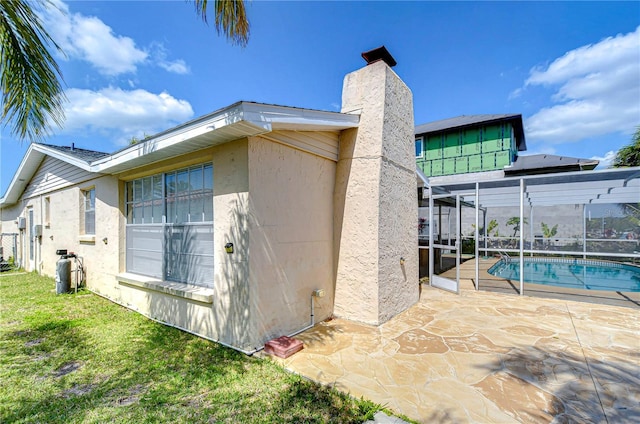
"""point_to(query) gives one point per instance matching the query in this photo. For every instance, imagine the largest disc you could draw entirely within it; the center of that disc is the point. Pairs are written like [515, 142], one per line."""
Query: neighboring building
[468, 144]
[484, 143]
[227, 225]
[481, 148]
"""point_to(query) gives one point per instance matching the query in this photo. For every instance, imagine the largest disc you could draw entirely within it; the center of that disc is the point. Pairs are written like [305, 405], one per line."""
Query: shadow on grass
[303, 399]
[45, 353]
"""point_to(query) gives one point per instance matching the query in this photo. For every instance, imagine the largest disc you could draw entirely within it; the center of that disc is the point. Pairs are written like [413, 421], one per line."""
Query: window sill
[186, 291]
[87, 239]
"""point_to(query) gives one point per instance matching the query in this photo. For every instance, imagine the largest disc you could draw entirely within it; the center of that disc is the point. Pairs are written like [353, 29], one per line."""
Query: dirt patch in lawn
[67, 368]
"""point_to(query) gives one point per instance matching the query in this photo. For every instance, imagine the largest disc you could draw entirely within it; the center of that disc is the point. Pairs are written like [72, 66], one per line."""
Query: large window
[170, 225]
[89, 200]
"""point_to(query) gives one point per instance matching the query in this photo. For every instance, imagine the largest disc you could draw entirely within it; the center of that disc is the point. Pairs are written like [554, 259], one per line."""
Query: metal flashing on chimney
[381, 53]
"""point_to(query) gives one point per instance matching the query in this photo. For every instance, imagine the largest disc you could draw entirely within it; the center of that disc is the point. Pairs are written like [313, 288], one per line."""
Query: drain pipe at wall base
[315, 293]
[246, 352]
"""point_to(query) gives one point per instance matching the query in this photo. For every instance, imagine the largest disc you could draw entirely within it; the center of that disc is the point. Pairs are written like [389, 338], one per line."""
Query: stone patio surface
[486, 358]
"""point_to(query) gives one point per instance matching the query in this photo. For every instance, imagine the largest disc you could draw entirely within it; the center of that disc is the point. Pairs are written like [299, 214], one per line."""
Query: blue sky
[134, 68]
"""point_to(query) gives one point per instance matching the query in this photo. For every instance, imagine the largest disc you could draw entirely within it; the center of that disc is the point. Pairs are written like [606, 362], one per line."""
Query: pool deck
[486, 357]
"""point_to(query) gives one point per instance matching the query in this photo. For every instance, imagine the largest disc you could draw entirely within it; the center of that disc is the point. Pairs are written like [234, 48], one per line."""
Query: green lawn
[80, 358]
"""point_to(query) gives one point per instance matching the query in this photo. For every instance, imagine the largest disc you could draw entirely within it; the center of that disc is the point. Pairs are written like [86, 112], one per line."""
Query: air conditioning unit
[37, 230]
[22, 223]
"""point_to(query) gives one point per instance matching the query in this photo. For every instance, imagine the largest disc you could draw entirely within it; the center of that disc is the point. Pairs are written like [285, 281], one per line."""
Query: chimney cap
[381, 53]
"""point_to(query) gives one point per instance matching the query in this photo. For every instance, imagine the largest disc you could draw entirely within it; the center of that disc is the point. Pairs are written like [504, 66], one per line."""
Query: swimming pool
[572, 273]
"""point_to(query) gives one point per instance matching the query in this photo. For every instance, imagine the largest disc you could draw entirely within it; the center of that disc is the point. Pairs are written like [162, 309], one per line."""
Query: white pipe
[313, 321]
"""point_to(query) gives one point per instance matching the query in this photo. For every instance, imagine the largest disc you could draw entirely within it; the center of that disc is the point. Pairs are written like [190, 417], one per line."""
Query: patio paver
[486, 357]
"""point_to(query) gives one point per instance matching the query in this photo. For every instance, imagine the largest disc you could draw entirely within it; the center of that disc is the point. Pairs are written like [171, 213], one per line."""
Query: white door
[444, 242]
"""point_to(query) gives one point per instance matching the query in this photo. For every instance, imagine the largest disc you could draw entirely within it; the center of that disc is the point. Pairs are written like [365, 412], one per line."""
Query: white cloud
[177, 66]
[89, 39]
[597, 88]
[123, 114]
[606, 160]
[159, 55]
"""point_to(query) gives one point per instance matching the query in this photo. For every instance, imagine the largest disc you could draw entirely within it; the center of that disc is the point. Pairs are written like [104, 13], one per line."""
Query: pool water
[580, 274]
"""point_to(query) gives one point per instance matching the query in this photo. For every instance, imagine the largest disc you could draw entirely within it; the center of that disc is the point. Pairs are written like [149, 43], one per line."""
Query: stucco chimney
[376, 205]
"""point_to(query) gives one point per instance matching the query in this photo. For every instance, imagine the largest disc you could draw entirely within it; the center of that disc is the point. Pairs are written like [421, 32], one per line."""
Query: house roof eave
[240, 120]
[237, 121]
[30, 163]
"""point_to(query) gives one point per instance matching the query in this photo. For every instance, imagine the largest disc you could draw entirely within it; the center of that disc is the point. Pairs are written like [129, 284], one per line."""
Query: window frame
[421, 141]
[47, 211]
[137, 200]
[185, 198]
[89, 211]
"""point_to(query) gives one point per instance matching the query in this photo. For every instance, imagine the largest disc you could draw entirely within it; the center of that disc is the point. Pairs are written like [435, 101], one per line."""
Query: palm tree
[32, 95]
[515, 222]
[548, 232]
[230, 19]
[629, 155]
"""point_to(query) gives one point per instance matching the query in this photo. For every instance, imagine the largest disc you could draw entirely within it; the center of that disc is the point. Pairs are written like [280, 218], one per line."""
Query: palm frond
[230, 19]
[32, 95]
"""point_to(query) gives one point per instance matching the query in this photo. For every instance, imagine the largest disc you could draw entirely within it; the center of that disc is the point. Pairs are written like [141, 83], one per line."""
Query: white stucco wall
[227, 319]
[290, 227]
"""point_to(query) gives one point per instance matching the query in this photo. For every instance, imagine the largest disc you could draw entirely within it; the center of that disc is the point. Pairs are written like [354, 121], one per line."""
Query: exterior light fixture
[228, 247]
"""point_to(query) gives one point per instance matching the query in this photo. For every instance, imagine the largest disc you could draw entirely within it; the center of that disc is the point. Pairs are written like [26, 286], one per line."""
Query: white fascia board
[189, 130]
[28, 166]
[62, 156]
[297, 119]
[261, 118]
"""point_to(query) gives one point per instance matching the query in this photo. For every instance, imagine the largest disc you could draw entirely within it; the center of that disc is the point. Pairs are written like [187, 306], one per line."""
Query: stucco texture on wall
[291, 236]
[376, 197]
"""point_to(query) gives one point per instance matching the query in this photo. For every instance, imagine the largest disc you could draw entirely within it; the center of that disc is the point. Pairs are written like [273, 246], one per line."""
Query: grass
[80, 358]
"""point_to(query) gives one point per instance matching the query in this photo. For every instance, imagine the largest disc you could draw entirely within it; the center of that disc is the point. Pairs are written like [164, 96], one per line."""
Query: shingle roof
[84, 155]
[543, 163]
[475, 120]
